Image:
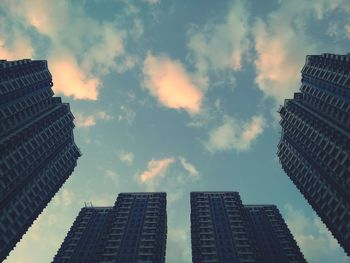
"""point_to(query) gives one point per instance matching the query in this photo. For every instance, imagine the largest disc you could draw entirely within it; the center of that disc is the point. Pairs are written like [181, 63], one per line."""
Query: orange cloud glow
[171, 84]
[70, 80]
[155, 168]
[21, 49]
[276, 75]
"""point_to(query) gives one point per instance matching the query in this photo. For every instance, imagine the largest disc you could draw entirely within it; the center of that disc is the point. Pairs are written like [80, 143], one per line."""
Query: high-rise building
[132, 231]
[314, 149]
[82, 241]
[226, 231]
[37, 149]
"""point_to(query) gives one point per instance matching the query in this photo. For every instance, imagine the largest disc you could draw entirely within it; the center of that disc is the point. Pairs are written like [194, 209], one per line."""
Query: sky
[175, 96]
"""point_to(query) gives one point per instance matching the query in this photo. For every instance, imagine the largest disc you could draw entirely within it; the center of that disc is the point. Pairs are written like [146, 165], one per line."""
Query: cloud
[111, 174]
[152, 2]
[70, 80]
[279, 61]
[20, 49]
[67, 196]
[101, 56]
[190, 168]
[126, 114]
[312, 236]
[223, 45]
[155, 168]
[282, 43]
[171, 84]
[138, 29]
[126, 157]
[80, 49]
[179, 244]
[83, 121]
[157, 178]
[234, 135]
[347, 28]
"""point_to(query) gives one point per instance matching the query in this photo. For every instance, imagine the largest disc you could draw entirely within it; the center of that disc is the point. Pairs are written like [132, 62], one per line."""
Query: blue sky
[175, 96]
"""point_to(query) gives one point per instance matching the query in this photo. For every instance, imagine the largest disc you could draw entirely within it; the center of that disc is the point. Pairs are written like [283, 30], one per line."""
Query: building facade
[314, 149]
[226, 231]
[132, 231]
[82, 241]
[37, 149]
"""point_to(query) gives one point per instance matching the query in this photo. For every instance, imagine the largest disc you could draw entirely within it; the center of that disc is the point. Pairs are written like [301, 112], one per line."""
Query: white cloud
[126, 114]
[235, 135]
[85, 121]
[179, 242]
[190, 168]
[111, 174]
[126, 157]
[137, 30]
[312, 236]
[196, 124]
[67, 196]
[222, 46]
[347, 28]
[152, 2]
[171, 84]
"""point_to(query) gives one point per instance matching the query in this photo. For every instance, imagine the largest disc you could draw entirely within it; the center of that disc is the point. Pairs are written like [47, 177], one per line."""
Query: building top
[98, 207]
[214, 192]
[143, 193]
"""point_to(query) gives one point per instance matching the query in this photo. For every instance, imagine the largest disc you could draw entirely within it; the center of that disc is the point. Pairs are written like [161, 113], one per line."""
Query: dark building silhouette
[82, 241]
[37, 149]
[314, 149]
[226, 231]
[132, 231]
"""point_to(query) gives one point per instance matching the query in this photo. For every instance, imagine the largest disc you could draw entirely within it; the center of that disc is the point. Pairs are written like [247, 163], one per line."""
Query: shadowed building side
[37, 149]
[132, 231]
[224, 230]
[314, 149]
[82, 241]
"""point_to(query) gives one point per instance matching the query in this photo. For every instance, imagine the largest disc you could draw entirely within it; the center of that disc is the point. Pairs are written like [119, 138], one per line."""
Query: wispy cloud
[157, 177]
[111, 174]
[235, 135]
[179, 241]
[155, 168]
[152, 2]
[85, 121]
[347, 28]
[127, 114]
[190, 168]
[126, 157]
[221, 46]
[171, 84]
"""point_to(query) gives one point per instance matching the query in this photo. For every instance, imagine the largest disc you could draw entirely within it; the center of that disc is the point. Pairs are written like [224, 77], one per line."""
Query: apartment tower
[134, 230]
[37, 149]
[314, 149]
[223, 230]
